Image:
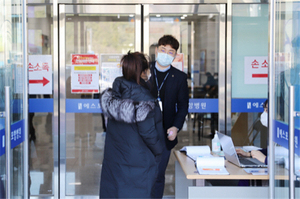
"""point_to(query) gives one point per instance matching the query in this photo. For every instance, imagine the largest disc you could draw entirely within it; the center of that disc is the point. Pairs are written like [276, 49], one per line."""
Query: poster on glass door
[256, 70]
[85, 73]
[110, 69]
[40, 74]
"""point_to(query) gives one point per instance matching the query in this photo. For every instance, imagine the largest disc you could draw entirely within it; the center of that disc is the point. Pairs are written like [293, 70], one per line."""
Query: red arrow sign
[43, 81]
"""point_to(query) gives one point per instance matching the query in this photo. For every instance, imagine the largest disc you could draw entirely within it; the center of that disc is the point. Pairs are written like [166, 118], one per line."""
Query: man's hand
[172, 133]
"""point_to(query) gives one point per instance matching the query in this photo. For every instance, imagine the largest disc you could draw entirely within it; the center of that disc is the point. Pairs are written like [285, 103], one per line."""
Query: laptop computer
[231, 155]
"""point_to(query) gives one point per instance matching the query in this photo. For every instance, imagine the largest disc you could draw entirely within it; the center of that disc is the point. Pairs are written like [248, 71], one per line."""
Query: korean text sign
[256, 70]
[40, 74]
[85, 73]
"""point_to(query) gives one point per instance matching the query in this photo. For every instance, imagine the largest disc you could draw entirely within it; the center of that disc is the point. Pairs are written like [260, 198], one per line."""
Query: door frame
[59, 72]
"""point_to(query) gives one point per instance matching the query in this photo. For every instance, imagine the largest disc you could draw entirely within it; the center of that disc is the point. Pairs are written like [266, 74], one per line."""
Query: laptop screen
[228, 148]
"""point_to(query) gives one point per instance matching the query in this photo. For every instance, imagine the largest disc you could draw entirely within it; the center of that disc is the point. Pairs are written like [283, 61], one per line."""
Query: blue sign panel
[281, 135]
[41, 105]
[247, 105]
[83, 106]
[195, 105]
[17, 135]
[203, 105]
[93, 106]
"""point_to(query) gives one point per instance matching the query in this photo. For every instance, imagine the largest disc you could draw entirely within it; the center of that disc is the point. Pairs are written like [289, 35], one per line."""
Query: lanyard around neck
[159, 88]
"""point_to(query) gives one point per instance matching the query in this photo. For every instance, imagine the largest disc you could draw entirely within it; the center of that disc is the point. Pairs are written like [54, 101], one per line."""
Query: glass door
[200, 30]
[12, 130]
[284, 99]
[92, 38]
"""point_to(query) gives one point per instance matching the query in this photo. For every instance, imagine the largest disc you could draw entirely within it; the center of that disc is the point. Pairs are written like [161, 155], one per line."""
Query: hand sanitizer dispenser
[215, 143]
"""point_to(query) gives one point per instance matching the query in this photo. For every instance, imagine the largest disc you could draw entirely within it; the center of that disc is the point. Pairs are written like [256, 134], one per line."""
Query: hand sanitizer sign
[256, 70]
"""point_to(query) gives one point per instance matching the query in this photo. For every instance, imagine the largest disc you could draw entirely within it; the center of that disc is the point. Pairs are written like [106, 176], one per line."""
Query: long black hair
[133, 64]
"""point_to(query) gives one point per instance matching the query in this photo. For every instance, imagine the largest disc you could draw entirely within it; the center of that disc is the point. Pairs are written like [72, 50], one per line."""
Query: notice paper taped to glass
[211, 166]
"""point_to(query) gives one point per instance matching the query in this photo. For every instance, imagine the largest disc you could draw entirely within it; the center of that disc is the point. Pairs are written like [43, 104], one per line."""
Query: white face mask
[264, 118]
[164, 59]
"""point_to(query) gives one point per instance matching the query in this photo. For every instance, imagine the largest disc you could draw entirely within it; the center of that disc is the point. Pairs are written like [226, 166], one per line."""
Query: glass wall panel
[41, 164]
[249, 73]
[11, 75]
[287, 67]
[199, 30]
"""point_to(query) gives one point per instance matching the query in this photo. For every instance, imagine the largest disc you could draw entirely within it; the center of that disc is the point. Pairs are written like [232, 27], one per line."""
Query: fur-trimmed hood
[124, 110]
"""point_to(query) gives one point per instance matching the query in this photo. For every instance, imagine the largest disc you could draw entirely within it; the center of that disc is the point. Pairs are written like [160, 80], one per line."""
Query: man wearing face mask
[169, 87]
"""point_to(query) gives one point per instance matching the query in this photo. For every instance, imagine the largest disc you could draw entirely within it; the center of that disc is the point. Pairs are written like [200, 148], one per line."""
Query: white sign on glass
[110, 69]
[256, 70]
[85, 73]
[40, 74]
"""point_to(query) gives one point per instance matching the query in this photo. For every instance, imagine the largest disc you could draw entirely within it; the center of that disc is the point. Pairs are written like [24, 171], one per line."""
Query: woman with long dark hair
[134, 133]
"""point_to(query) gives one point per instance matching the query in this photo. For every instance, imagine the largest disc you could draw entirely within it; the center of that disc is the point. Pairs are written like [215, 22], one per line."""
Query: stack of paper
[195, 151]
[211, 166]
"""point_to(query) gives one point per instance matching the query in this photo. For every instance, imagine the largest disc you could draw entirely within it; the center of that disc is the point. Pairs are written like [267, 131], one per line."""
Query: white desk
[189, 184]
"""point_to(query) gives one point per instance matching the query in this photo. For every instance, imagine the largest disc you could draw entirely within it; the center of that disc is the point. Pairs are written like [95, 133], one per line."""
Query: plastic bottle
[215, 143]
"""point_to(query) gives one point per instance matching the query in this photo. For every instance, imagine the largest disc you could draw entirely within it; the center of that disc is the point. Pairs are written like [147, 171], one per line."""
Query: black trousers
[160, 180]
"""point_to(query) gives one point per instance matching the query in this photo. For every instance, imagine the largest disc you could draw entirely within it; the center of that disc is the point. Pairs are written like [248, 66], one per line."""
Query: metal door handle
[7, 142]
[291, 142]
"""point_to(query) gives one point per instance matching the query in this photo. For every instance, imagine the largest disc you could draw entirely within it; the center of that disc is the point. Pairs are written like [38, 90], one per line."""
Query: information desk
[189, 184]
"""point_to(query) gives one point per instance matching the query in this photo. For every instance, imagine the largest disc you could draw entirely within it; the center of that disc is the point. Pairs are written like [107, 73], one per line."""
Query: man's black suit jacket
[176, 100]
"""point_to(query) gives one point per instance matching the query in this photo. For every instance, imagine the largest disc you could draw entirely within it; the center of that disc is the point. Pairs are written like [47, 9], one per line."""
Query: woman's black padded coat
[134, 141]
